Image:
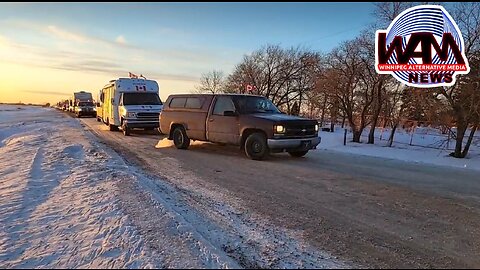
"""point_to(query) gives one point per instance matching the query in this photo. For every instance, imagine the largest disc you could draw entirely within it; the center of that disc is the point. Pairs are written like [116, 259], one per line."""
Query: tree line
[343, 86]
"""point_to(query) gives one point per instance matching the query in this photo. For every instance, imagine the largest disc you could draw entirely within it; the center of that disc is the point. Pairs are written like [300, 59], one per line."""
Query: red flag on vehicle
[249, 88]
[133, 76]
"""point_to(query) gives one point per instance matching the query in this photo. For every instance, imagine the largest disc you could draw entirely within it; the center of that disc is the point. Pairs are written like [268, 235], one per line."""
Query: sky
[48, 51]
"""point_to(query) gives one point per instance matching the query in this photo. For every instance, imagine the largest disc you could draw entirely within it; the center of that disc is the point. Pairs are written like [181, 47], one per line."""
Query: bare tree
[394, 108]
[463, 98]
[211, 82]
[386, 12]
[344, 76]
[282, 75]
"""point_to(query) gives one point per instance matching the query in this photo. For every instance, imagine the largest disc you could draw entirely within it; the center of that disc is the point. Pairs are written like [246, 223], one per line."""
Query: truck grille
[148, 115]
[300, 131]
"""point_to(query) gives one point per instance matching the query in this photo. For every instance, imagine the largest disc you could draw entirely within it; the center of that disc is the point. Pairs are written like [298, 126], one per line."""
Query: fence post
[448, 141]
[345, 137]
[413, 132]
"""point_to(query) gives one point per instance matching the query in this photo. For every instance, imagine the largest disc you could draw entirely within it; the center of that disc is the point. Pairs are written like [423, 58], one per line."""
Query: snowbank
[58, 198]
[69, 201]
[422, 151]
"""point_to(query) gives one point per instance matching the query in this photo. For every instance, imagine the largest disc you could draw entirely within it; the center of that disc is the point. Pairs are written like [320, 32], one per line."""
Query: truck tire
[126, 130]
[180, 138]
[256, 147]
[98, 119]
[298, 153]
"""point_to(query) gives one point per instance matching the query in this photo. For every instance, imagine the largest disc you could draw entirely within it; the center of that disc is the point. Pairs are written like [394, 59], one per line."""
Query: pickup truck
[249, 121]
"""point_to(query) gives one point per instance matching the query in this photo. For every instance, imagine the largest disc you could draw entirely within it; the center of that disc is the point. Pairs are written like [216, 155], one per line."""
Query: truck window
[223, 104]
[178, 102]
[254, 104]
[194, 103]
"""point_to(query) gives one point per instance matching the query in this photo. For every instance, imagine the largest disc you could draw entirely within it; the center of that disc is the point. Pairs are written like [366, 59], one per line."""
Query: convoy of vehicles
[249, 121]
[129, 103]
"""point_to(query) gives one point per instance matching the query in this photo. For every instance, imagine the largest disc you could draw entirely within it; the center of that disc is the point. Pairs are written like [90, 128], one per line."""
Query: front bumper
[279, 145]
[141, 124]
[90, 113]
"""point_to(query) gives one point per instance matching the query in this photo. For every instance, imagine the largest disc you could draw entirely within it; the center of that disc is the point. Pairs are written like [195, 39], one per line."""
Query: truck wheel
[98, 119]
[298, 154]
[126, 130]
[180, 138]
[256, 146]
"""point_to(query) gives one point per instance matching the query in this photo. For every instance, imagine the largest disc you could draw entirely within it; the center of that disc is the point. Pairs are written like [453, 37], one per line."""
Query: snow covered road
[62, 205]
[74, 194]
[368, 211]
[69, 201]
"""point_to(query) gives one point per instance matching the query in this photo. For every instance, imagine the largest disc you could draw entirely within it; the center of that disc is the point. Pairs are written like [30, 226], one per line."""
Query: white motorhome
[129, 103]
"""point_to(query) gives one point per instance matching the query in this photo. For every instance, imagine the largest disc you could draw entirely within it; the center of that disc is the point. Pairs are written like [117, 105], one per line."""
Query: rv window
[194, 103]
[84, 104]
[141, 99]
[178, 102]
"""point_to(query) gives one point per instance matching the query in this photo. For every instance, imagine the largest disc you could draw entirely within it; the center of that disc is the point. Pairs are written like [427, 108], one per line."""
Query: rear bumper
[141, 124]
[279, 145]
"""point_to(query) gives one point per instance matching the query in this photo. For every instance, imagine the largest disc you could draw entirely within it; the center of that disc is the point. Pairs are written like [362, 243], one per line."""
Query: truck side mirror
[229, 113]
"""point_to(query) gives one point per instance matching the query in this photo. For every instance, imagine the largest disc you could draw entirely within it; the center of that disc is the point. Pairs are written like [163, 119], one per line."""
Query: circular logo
[422, 47]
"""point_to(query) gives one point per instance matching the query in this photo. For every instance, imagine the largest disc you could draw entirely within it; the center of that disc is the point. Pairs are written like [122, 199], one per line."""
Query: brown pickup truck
[252, 122]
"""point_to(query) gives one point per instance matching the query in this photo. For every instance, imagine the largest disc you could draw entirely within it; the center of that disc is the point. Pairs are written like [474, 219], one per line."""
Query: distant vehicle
[65, 105]
[81, 103]
[129, 103]
[252, 122]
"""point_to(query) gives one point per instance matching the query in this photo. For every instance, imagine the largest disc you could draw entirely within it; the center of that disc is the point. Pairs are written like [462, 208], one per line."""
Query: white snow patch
[423, 150]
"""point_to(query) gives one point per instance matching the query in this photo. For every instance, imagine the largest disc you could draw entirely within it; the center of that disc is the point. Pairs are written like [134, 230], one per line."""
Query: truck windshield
[252, 104]
[141, 99]
[85, 104]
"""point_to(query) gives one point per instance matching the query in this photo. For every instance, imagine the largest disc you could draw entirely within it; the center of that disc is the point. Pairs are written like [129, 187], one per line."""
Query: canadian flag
[133, 76]
[249, 88]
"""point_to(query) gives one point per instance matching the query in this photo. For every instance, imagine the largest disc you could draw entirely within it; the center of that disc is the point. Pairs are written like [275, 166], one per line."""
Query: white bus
[129, 103]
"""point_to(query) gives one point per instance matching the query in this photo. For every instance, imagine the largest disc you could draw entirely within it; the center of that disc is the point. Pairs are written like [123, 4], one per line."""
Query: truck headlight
[131, 115]
[316, 127]
[279, 129]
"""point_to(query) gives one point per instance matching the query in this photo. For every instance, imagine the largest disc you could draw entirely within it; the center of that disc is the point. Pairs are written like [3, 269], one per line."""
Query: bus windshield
[141, 99]
[85, 104]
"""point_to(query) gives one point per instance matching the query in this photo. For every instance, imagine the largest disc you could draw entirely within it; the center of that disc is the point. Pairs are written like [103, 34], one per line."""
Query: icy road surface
[369, 211]
[69, 201]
